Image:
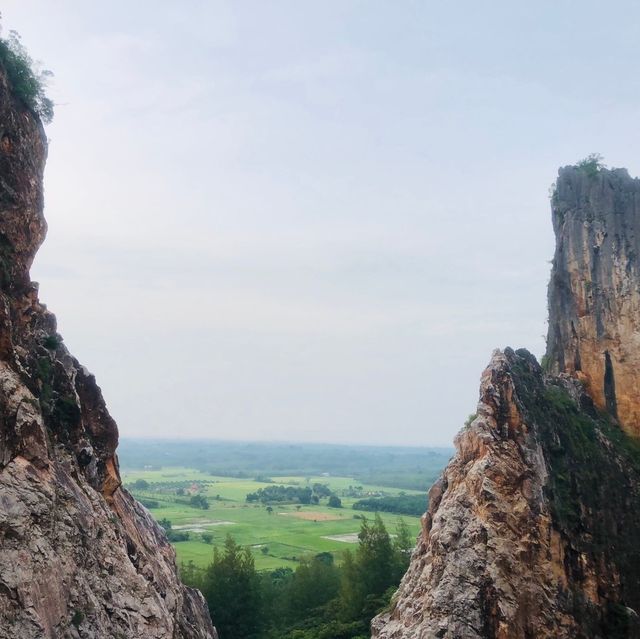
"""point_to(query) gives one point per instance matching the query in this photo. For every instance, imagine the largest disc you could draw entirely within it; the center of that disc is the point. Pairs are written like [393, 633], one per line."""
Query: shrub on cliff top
[591, 164]
[28, 81]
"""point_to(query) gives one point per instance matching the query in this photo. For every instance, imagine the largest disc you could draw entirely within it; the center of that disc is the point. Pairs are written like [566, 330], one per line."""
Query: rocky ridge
[532, 529]
[79, 557]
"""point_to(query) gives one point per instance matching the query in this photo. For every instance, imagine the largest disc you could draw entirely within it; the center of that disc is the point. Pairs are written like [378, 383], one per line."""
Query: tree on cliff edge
[28, 80]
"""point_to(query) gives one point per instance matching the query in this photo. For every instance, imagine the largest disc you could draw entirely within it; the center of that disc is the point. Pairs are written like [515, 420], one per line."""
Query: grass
[287, 537]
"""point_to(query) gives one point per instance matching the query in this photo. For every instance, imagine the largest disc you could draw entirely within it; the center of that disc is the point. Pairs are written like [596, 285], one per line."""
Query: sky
[314, 221]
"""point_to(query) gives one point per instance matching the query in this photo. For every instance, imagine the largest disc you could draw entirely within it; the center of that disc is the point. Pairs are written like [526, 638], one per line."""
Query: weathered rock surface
[594, 292]
[532, 531]
[79, 557]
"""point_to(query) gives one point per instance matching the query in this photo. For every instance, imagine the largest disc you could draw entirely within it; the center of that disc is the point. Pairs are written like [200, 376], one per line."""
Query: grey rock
[79, 557]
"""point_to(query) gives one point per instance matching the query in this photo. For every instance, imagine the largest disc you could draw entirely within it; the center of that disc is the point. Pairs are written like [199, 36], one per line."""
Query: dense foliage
[290, 494]
[199, 501]
[281, 494]
[28, 82]
[400, 504]
[320, 600]
[592, 164]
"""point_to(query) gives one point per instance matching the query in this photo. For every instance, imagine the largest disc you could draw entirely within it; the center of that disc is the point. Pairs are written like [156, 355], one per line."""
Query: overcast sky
[314, 220]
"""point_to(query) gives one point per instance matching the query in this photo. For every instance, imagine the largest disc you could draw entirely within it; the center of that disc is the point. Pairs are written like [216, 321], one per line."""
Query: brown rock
[532, 530]
[594, 292]
[79, 557]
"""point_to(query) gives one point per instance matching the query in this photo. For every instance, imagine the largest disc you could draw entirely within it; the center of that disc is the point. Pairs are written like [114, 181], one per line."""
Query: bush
[592, 164]
[51, 342]
[198, 501]
[78, 618]
[334, 502]
[469, 420]
[177, 535]
[165, 523]
[29, 83]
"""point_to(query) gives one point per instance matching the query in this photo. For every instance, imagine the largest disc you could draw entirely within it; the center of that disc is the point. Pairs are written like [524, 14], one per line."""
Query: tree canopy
[28, 80]
[319, 600]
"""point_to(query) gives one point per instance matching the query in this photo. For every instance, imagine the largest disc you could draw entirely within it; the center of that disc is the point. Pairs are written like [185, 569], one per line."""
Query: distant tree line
[414, 505]
[291, 494]
[319, 600]
[408, 467]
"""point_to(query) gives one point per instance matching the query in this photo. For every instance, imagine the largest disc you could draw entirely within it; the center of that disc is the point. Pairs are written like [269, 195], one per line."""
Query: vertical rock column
[594, 292]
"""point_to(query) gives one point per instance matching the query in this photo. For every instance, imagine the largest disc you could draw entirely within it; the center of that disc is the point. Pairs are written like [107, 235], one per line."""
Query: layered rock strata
[79, 557]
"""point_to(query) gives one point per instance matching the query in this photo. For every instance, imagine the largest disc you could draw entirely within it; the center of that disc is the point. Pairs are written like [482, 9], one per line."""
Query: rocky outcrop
[79, 557]
[594, 292]
[532, 530]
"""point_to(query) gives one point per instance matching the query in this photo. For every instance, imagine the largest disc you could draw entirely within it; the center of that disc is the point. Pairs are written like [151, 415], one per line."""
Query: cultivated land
[288, 533]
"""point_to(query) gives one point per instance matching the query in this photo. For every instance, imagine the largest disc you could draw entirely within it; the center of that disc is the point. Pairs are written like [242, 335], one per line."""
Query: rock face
[594, 293]
[532, 529]
[79, 557]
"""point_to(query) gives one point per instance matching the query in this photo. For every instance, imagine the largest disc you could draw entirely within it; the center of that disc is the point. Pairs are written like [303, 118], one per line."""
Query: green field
[289, 533]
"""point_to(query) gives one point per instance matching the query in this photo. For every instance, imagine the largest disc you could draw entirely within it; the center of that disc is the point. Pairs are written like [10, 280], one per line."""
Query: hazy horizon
[313, 222]
[283, 442]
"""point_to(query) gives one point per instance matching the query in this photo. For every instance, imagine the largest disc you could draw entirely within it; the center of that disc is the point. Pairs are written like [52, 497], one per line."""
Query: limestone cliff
[79, 557]
[532, 530]
[594, 292]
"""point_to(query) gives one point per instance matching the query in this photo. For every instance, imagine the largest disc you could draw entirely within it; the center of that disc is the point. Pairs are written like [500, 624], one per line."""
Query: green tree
[275, 587]
[198, 501]
[232, 590]
[191, 574]
[28, 81]
[315, 582]
[334, 502]
[592, 164]
[403, 544]
[352, 593]
[375, 556]
[165, 523]
[369, 574]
